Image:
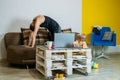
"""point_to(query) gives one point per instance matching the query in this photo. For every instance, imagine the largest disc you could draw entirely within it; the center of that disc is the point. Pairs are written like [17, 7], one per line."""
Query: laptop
[64, 40]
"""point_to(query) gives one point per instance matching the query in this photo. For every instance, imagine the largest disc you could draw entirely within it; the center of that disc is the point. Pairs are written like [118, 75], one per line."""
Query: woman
[43, 21]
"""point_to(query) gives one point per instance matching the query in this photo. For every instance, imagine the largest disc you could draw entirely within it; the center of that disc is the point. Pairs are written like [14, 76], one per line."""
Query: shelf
[79, 57]
[79, 66]
[41, 64]
[41, 69]
[58, 59]
[58, 68]
[40, 56]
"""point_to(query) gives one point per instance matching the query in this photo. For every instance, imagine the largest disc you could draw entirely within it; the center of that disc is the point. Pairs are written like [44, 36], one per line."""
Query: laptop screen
[64, 40]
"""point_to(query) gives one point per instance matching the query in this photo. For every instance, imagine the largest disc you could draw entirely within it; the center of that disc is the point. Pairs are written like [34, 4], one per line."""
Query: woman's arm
[33, 40]
[39, 20]
[30, 39]
[34, 34]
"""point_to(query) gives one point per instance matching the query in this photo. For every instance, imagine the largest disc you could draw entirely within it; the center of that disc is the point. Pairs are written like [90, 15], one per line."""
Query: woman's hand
[28, 46]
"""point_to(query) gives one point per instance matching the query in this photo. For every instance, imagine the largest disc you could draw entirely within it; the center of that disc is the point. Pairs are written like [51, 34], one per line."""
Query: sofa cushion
[20, 54]
[107, 36]
[41, 38]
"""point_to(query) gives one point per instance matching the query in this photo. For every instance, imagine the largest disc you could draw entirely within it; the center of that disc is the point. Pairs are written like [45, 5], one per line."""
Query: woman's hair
[31, 27]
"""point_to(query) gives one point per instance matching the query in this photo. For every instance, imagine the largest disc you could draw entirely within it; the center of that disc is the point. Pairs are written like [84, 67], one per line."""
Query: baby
[81, 41]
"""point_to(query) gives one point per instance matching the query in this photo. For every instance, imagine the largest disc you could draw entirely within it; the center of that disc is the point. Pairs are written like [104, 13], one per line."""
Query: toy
[53, 46]
[56, 76]
[59, 76]
[95, 65]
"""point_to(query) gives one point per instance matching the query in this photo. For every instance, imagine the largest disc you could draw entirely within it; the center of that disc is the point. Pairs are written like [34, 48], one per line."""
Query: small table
[66, 59]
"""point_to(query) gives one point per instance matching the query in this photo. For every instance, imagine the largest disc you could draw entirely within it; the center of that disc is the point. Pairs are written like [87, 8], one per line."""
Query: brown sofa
[17, 53]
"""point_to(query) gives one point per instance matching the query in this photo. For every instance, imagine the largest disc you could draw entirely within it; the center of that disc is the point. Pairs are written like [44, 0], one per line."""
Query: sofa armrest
[12, 38]
[114, 38]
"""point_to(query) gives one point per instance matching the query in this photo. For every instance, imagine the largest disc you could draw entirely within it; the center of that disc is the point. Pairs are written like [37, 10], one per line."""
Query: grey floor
[108, 70]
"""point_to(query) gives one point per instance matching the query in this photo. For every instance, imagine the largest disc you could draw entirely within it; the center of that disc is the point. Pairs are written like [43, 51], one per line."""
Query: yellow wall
[103, 13]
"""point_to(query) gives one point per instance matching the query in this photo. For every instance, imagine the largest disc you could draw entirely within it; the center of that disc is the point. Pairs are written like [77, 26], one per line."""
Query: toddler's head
[81, 37]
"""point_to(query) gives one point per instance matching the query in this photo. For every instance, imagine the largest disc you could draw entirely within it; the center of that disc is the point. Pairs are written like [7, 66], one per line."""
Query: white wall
[19, 13]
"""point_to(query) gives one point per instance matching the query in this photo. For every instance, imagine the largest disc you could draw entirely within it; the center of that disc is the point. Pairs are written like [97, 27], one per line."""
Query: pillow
[107, 36]
[41, 38]
[26, 34]
[68, 30]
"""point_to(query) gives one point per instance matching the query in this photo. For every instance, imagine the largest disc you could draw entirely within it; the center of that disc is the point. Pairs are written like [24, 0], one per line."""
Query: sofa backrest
[12, 38]
[102, 31]
[41, 37]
